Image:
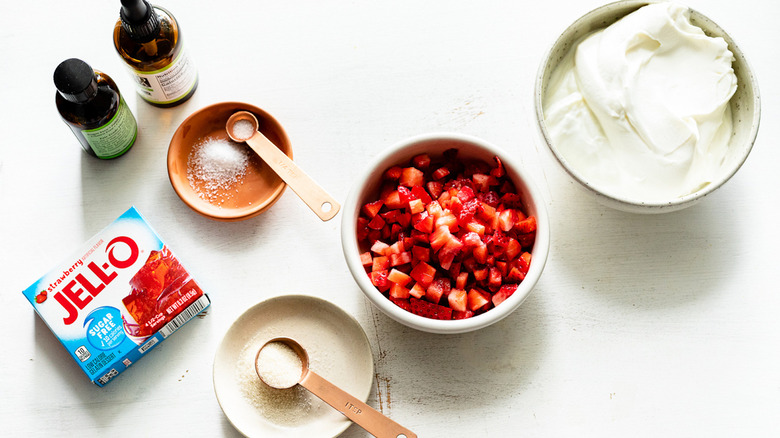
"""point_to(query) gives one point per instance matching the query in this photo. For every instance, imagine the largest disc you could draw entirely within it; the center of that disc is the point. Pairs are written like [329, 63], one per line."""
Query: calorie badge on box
[121, 294]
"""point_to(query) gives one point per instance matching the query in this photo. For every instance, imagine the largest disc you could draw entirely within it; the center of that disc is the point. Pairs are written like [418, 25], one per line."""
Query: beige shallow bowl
[338, 351]
[745, 105]
[256, 192]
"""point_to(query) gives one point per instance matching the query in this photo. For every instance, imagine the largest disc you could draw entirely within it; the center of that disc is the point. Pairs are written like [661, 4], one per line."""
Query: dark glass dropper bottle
[90, 104]
[148, 39]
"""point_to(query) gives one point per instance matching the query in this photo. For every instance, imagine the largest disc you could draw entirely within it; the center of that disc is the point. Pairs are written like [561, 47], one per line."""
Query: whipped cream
[640, 109]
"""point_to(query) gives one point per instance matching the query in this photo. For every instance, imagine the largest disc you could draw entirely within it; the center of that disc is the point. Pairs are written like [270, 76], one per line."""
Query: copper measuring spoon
[320, 202]
[360, 413]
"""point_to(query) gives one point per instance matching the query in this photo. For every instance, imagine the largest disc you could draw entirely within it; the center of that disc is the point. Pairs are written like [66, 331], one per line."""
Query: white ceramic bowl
[745, 106]
[367, 189]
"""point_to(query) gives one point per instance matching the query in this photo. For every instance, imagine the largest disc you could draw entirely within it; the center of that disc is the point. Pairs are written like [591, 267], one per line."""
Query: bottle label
[115, 137]
[169, 84]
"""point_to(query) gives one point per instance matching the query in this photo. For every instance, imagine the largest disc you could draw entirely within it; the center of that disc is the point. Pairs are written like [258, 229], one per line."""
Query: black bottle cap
[139, 20]
[75, 80]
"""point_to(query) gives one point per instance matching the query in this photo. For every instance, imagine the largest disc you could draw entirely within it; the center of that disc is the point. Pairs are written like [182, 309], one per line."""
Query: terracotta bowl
[260, 187]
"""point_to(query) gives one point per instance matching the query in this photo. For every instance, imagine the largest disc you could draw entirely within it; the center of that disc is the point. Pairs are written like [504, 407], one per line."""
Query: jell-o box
[120, 295]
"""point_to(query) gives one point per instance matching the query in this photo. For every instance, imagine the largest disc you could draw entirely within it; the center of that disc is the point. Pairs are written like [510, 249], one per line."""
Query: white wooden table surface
[641, 325]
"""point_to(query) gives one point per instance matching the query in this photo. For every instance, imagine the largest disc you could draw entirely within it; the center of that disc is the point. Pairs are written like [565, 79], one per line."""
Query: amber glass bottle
[90, 104]
[148, 39]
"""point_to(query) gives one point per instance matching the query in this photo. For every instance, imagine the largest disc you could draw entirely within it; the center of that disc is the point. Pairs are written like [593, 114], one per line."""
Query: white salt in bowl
[745, 107]
[367, 188]
[259, 187]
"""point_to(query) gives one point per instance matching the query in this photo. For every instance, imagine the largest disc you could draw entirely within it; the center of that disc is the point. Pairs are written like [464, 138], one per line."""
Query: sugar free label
[104, 328]
[116, 136]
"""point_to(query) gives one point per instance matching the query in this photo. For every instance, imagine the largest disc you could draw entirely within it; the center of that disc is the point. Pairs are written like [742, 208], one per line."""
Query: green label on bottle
[115, 137]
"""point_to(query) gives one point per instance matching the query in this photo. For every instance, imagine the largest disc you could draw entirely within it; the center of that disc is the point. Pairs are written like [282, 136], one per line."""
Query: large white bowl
[367, 189]
[745, 106]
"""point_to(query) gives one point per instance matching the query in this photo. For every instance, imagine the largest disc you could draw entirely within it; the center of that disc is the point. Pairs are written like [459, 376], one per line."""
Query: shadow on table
[476, 371]
[648, 262]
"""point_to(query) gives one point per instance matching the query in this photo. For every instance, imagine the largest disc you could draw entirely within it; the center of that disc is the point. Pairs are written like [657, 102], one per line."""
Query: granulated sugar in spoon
[282, 363]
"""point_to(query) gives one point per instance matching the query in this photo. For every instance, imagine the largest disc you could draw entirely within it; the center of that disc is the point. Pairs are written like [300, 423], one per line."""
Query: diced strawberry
[468, 210]
[515, 275]
[506, 219]
[480, 253]
[398, 277]
[527, 225]
[366, 259]
[372, 208]
[449, 251]
[379, 247]
[398, 291]
[480, 274]
[511, 200]
[405, 195]
[461, 280]
[377, 223]
[391, 216]
[494, 278]
[392, 200]
[490, 198]
[411, 177]
[525, 262]
[526, 240]
[417, 291]
[502, 267]
[420, 193]
[437, 289]
[513, 248]
[393, 173]
[487, 213]
[380, 263]
[416, 206]
[434, 209]
[476, 227]
[477, 299]
[429, 310]
[439, 237]
[440, 173]
[457, 300]
[483, 182]
[395, 231]
[422, 161]
[379, 279]
[447, 218]
[362, 228]
[465, 193]
[397, 247]
[423, 273]
[498, 171]
[471, 239]
[402, 303]
[454, 270]
[404, 218]
[503, 293]
[400, 258]
[421, 254]
[423, 222]
[462, 315]
[435, 188]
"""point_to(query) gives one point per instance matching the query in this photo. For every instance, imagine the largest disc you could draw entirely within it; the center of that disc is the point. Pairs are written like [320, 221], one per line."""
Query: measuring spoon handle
[362, 414]
[320, 202]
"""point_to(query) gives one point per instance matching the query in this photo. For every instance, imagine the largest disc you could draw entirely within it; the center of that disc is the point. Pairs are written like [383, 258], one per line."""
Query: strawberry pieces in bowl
[445, 234]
